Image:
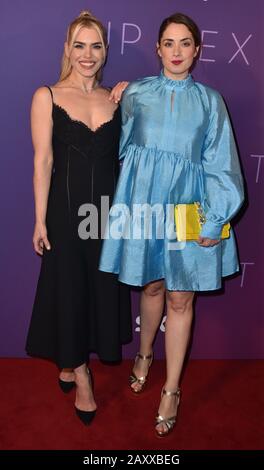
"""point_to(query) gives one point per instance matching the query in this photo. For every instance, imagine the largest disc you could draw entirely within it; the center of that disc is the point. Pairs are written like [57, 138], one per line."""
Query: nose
[176, 50]
[87, 52]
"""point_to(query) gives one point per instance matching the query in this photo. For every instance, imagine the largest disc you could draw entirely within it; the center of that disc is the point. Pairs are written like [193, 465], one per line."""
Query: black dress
[79, 309]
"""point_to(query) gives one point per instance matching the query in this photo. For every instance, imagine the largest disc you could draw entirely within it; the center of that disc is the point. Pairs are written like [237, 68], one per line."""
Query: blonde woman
[75, 132]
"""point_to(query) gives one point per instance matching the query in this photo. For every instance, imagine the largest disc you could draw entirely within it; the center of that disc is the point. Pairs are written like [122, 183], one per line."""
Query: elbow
[43, 162]
[241, 194]
[238, 203]
[42, 166]
[237, 196]
[241, 202]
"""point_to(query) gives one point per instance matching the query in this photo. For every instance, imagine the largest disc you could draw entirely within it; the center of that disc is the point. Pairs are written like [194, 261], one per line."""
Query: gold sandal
[169, 422]
[140, 380]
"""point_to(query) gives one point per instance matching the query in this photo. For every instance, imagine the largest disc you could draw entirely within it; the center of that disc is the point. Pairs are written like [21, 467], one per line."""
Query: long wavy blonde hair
[84, 20]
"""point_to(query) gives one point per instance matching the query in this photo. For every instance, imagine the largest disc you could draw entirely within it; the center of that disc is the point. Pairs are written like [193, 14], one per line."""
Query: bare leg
[151, 308]
[177, 334]
[84, 394]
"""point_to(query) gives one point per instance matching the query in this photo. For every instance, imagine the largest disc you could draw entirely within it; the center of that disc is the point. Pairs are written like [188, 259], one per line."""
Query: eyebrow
[169, 39]
[83, 43]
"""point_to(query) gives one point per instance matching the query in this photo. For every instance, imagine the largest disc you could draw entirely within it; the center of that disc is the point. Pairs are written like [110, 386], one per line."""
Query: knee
[154, 289]
[179, 304]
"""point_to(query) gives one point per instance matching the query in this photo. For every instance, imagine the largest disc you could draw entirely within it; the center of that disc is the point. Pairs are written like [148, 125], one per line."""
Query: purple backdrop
[229, 323]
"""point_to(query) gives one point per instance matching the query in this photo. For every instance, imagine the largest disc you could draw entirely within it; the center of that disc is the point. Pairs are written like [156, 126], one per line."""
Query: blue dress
[177, 146]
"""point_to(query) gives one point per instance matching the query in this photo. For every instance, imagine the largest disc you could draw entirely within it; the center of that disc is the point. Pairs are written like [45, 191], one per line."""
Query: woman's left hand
[203, 241]
[117, 91]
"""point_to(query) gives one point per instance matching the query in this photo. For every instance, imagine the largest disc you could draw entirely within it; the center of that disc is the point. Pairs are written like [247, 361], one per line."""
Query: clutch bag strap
[200, 213]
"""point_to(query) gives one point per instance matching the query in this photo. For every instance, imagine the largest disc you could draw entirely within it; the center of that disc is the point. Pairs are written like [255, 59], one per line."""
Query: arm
[117, 91]
[223, 179]
[128, 112]
[41, 128]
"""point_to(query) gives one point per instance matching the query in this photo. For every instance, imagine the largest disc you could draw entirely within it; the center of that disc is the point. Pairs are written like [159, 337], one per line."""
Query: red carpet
[222, 408]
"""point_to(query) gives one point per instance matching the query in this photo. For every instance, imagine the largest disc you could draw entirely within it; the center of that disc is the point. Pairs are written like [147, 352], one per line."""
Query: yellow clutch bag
[189, 219]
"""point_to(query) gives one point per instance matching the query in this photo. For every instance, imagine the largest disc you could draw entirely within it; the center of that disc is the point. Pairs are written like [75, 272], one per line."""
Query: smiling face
[87, 54]
[177, 51]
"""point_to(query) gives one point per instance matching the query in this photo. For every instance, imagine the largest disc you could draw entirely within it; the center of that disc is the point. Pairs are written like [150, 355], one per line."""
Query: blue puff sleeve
[127, 112]
[222, 175]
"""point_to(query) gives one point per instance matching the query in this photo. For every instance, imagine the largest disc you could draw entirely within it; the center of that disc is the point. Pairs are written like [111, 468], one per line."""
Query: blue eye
[97, 46]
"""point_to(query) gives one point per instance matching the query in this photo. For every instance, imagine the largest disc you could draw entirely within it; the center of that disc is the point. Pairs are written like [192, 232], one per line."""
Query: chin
[87, 74]
[177, 72]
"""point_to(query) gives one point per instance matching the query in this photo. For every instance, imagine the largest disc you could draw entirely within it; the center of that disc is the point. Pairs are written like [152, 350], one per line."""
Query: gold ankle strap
[141, 356]
[168, 393]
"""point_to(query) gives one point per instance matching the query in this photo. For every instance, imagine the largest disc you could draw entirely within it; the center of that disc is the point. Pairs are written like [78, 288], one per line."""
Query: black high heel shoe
[66, 387]
[86, 416]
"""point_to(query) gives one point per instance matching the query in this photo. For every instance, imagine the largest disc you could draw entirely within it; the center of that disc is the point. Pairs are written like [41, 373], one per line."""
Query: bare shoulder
[41, 107]
[104, 92]
[42, 96]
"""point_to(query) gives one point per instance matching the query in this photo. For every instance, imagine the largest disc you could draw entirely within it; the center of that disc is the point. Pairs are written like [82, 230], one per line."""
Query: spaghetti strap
[50, 92]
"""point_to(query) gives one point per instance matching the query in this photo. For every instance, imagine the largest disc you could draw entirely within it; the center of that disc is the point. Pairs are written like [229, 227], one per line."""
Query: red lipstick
[177, 62]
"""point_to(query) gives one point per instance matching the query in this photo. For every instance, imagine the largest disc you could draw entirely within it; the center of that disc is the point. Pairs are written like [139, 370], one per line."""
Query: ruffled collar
[176, 84]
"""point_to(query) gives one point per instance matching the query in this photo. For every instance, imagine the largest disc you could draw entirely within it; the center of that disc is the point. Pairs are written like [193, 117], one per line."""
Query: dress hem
[73, 365]
[133, 284]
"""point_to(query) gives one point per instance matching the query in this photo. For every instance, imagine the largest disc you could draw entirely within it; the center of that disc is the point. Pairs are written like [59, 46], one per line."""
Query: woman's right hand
[117, 91]
[40, 238]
